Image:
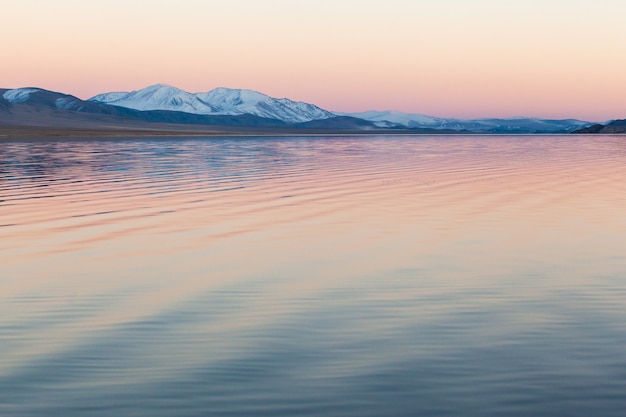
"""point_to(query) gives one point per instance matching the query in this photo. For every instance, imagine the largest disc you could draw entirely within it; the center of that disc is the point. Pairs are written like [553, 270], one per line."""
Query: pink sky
[449, 58]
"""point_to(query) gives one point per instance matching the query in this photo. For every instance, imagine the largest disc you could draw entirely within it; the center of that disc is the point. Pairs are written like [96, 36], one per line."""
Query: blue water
[347, 276]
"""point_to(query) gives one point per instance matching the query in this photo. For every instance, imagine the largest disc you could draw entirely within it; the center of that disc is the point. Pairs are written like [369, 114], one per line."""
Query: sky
[447, 58]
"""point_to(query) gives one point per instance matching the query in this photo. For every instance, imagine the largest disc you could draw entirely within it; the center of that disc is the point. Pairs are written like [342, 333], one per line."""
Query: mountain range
[164, 107]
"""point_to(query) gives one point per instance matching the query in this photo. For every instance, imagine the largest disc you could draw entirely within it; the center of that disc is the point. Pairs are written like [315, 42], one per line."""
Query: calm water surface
[362, 276]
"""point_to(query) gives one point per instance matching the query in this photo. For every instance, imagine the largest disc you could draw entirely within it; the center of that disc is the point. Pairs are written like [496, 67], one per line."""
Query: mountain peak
[154, 97]
[156, 87]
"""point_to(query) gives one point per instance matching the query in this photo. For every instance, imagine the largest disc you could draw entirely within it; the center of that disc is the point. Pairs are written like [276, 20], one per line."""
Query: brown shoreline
[9, 133]
[22, 132]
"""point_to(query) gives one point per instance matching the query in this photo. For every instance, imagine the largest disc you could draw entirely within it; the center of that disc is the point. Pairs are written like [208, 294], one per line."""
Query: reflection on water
[355, 276]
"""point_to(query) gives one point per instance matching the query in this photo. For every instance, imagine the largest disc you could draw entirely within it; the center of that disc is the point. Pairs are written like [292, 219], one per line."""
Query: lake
[304, 276]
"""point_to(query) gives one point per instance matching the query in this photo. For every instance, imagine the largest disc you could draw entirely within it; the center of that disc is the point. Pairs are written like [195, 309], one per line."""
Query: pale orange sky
[456, 58]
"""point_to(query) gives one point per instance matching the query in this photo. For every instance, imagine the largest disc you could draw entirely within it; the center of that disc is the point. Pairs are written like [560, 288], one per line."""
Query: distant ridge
[614, 127]
[483, 125]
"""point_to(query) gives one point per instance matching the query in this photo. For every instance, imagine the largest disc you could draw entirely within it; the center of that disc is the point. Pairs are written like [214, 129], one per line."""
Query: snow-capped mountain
[220, 101]
[489, 125]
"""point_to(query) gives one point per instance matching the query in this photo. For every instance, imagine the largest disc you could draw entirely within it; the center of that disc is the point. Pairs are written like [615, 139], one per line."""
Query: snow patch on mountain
[19, 95]
[68, 103]
[220, 101]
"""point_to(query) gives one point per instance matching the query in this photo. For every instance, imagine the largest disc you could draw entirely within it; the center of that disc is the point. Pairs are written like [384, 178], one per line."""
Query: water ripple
[339, 276]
